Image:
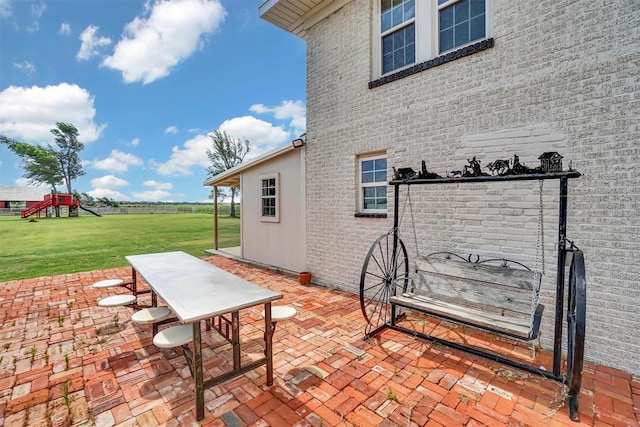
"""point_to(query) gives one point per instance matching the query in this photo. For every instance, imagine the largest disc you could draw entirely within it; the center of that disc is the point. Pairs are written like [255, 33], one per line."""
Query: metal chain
[540, 265]
[407, 201]
[404, 208]
[413, 223]
[540, 248]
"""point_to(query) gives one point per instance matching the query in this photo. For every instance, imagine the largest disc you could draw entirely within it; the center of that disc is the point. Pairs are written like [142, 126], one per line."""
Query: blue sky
[145, 82]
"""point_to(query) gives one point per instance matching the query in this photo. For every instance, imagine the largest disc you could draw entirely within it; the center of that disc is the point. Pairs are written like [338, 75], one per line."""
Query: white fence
[123, 211]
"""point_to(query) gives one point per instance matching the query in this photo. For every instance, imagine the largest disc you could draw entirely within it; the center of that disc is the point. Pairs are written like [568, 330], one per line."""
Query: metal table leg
[235, 340]
[268, 344]
[197, 370]
[134, 287]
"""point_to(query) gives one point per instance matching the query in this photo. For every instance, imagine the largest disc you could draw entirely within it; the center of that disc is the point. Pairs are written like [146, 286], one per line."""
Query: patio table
[196, 290]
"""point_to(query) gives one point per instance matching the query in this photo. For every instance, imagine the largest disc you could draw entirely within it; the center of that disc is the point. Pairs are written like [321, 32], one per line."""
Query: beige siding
[280, 244]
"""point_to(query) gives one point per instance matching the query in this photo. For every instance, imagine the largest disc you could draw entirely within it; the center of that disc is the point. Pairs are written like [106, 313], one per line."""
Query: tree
[227, 152]
[66, 137]
[87, 199]
[222, 195]
[41, 164]
[108, 202]
[50, 165]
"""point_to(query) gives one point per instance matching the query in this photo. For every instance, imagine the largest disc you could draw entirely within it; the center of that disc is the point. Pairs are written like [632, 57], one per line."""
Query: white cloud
[37, 10]
[295, 111]
[262, 136]
[151, 195]
[25, 66]
[135, 142]
[257, 131]
[182, 160]
[108, 181]
[65, 28]
[30, 113]
[171, 129]
[158, 185]
[117, 162]
[24, 182]
[5, 9]
[91, 43]
[104, 187]
[285, 110]
[168, 33]
[100, 193]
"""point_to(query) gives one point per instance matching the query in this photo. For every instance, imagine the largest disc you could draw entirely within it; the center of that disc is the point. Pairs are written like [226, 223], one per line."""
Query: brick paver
[66, 361]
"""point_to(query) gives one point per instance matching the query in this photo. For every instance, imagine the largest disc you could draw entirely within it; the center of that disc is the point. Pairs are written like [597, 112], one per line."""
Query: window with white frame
[269, 198]
[373, 184]
[398, 27]
[413, 31]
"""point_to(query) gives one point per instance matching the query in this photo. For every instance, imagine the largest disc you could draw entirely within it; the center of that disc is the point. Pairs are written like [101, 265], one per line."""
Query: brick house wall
[562, 76]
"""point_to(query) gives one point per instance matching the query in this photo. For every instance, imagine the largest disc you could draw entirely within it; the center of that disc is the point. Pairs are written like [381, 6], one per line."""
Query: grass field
[52, 246]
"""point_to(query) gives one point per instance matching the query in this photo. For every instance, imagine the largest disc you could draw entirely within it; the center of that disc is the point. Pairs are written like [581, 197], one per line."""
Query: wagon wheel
[576, 319]
[383, 276]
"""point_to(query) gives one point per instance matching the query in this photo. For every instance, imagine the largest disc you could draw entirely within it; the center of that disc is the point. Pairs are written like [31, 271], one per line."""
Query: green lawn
[52, 246]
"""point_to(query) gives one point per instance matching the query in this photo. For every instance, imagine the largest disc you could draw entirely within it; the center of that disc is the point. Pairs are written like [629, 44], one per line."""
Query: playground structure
[54, 201]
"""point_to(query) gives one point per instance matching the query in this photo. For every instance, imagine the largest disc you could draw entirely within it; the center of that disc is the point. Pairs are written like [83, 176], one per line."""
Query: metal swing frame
[576, 301]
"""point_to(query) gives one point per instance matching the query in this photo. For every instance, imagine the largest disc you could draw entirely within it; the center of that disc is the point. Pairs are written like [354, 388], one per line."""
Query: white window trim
[261, 178]
[362, 185]
[426, 35]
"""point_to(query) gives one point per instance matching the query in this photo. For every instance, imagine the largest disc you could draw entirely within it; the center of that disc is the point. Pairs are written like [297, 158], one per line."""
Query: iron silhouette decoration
[550, 162]
[511, 167]
[473, 168]
[408, 173]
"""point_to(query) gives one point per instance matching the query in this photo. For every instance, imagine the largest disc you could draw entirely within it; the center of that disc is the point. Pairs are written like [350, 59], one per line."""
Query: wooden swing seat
[496, 298]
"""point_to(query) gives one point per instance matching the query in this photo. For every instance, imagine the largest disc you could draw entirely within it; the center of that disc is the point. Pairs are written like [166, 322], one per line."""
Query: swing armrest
[537, 320]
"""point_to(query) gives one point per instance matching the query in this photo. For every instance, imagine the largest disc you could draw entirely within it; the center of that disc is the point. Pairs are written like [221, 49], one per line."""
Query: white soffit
[297, 16]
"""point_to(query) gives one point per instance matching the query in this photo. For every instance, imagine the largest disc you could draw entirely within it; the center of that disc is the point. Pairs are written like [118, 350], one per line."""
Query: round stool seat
[174, 336]
[116, 300]
[281, 312]
[151, 315]
[108, 283]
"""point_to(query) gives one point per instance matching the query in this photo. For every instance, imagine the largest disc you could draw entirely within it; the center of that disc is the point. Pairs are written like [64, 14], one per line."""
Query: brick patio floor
[66, 361]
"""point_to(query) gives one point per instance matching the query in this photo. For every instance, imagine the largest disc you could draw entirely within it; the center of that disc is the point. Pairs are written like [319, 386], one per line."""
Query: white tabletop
[195, 289]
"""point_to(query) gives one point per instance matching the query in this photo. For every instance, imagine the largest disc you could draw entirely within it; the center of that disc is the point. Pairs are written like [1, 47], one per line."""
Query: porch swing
[497, 295]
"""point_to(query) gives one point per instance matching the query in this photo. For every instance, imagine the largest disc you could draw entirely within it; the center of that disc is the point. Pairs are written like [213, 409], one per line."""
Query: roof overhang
[231, 177]
[297, 16]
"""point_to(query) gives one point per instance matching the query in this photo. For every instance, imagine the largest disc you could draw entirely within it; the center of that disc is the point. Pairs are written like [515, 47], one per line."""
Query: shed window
[269, 196]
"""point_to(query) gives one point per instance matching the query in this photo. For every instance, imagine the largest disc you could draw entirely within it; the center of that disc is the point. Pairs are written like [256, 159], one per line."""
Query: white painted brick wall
[563, 76]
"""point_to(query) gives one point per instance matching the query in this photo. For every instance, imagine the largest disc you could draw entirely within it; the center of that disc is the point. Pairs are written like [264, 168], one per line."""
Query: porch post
[215, 217]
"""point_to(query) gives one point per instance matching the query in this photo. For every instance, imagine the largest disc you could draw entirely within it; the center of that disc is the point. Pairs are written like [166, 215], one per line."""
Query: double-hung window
[460, 22]
[398, 27]
[269, 194]
[373, 184]
[414, 31]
